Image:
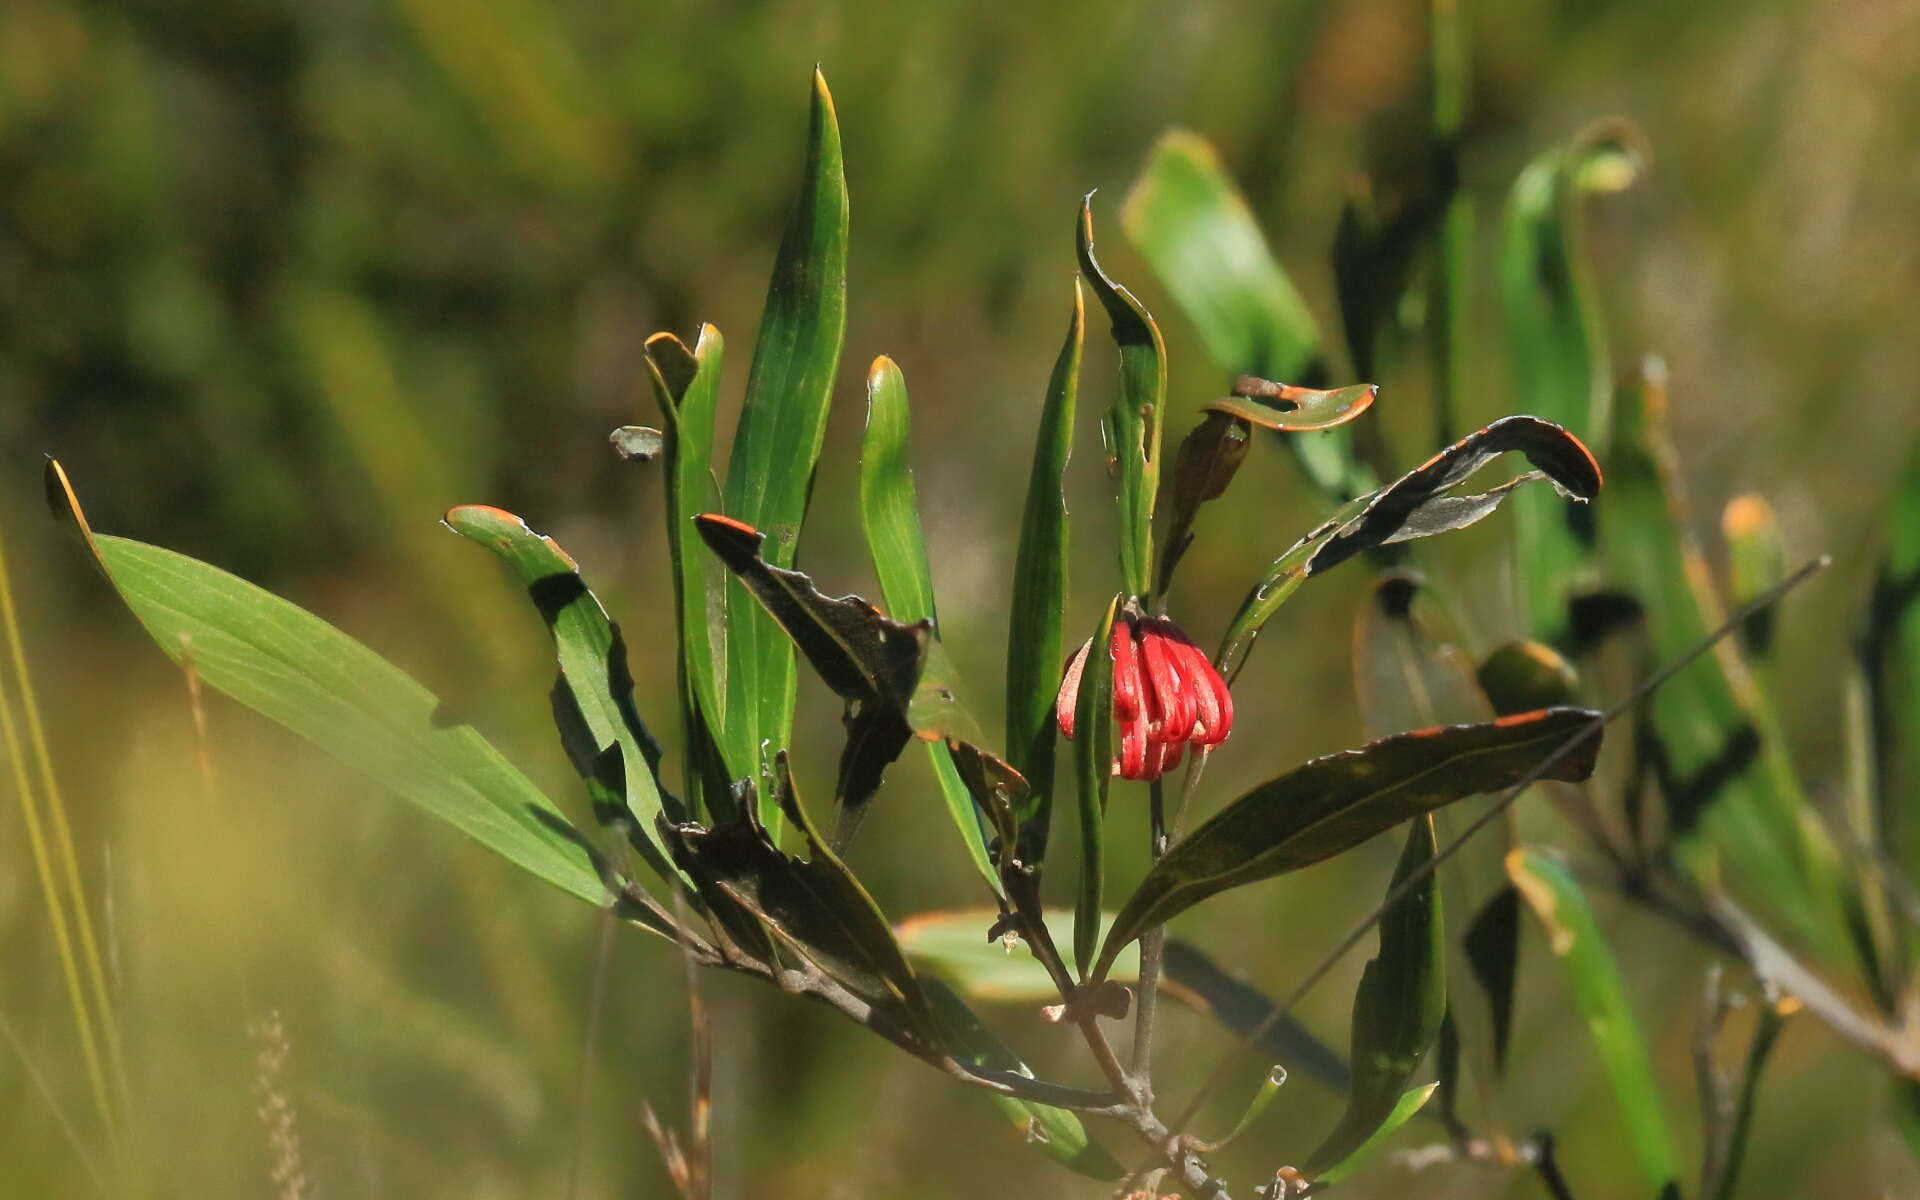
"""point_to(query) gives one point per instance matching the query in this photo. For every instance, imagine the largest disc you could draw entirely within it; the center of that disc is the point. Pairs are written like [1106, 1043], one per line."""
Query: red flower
[1165, 695]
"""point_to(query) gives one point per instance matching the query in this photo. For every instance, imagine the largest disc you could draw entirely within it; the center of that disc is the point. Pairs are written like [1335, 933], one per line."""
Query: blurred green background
[283, 282]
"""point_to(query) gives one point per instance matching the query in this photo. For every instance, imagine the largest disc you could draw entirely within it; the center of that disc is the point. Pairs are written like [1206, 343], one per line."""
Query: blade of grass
[782, 424]
[1037, 612]
[890, 517]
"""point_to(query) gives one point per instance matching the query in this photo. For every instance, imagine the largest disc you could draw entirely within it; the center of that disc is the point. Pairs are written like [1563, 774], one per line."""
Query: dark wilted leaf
[593, 698]
[1419, 504]
[890, 515]
[1202, 985]
[1196, 231]
[814, 905]
[1208, 459]
[1332, 804]
[300, 672]
[685, 385]
[1526, 675]
[1558, 345]
[1134, 420]
[782, 424]
[1397, 1007]
[1037, 614]
[1558, 901]
[1054, 1132]
[1093, 763]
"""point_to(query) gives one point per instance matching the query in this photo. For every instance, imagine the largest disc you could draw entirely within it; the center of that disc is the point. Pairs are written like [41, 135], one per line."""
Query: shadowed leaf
[1525, 675]
[782, 424]
[1202, 985]
[890, 516]
[1575, 939]
[1890, 651]
[1093, 768]
[593, 698]
[1756, 560]
[295, 669]
[1331, 804]
[1397, 1007]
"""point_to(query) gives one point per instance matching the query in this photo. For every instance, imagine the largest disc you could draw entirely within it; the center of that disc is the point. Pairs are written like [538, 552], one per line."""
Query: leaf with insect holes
[1287, 408]
[593, 697]
[1133, 422]
[685, 385]
[1419, 504]
[1054, 1132]
[1195, 230]
[300, 672]
[890, 517]
[1557, 899]
[1037, 610]
[782, 424]
[814, 906]
[1332, 804]
[1557, 344]
[1397, 1007]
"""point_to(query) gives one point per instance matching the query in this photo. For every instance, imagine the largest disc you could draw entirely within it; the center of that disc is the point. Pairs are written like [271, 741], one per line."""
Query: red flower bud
[1166, 694]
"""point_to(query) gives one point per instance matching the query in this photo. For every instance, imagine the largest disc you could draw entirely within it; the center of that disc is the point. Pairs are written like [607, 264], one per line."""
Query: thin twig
[40, 1085]
[1152, 943]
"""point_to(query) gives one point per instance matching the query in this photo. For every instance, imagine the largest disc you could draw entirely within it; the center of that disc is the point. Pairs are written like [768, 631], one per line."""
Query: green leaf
[1093, 768]
[954, 946]
[782, 424]
[1558, 345]
[814, 906]
[890, 515]
[1054, 1132]
[685, 386]
[1397, 1007]
[1133, 422]
[1756, 561]
[1520, 676]
[1723, 769]
[1404, 1110]
[1208, 459]
[1332, 804]
[593, 698]
[1891, 654]
[1561, 906]
[1195, 230]
[1202, 985]
[1419, 504]
[1288, 408]
[1038, 609]
[290, 666]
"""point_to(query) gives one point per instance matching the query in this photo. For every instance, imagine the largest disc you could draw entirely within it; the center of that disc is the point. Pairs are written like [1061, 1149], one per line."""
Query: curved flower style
[1165, 695]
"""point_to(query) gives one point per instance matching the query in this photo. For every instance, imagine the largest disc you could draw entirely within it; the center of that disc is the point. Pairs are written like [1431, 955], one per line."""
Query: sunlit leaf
[1575, 939]
[1287, 408]
[1557, 344]
[789, 386]
[295, 669]
[593, 698]
[1037, 612]
[1133, 421]
[1093, 770]
[1332, 804]
[1405, 1109]
[890, 515]
[1525, 675]
[1419, 504]
[1054, 1132]
[1195, 230]
[1396, 1009]
[685, 384]
[954, 946]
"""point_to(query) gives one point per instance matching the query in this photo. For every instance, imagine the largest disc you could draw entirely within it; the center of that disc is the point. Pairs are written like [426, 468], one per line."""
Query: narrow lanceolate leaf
[1397, 1008]
[953, 946]
[1054, 1132]
[1133, 422]
[1208, 459]
[1419, 504]
[1890, 651]
[1724, 773]
[1331, 804]
[1557, 900]
[1093, 770]
[685, 386]
[1557, 345]
[1404, 1109]
[593, 698]
[301, 672]
[814, 906]
[890, 515]
[1193, 227]
[1288, 408]
[1035, 651]
[891, 672]
[782, 424]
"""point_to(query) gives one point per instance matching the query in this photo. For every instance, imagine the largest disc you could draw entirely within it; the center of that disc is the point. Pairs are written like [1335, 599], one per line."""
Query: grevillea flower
[1166, 694]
